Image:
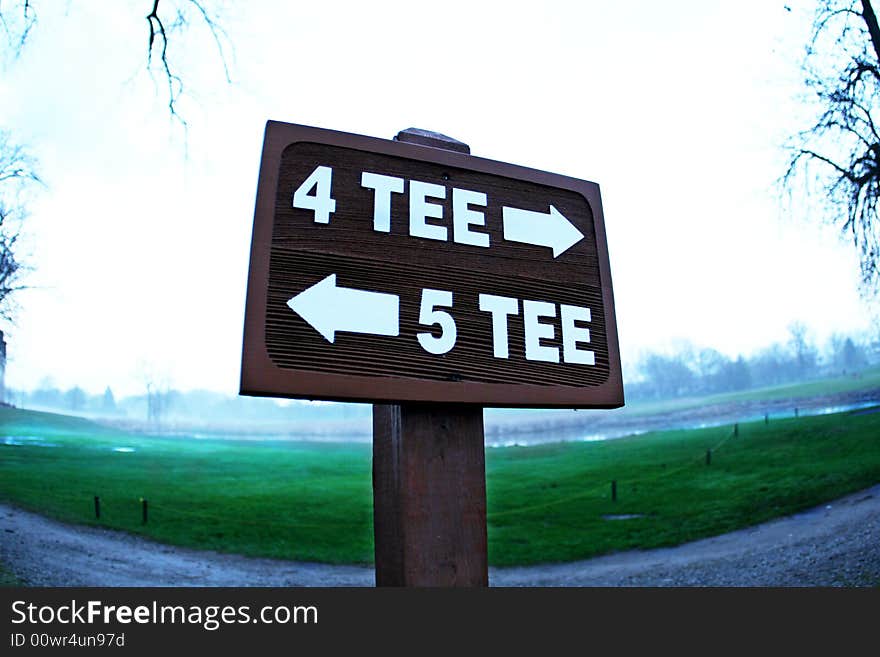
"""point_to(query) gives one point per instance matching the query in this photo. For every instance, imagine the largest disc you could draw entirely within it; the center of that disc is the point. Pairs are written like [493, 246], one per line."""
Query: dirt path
[837, 544]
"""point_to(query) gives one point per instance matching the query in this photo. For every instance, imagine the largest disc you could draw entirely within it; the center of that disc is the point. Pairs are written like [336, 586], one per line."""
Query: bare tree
[838, 158]
[167, 23]
[17, 175]
[804, 352]
[158, 386]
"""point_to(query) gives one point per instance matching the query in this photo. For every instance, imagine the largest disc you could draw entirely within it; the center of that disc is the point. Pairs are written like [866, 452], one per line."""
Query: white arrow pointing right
[551, 229]
[329, 309]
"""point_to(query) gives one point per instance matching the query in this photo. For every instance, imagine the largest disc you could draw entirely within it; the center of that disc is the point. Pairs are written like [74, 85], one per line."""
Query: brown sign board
[385, 271]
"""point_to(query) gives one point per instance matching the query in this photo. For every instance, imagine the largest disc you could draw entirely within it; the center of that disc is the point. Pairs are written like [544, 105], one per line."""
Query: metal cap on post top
[433, 139]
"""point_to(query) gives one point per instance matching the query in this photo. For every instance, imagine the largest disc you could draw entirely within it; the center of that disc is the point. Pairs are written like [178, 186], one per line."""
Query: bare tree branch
[17, 175]
[17, 24]
[871, 23]
[167, 24]
[217, 33]
[18, 169]
[175, 85]
[843, 172]
[160, 32]
[844, 139]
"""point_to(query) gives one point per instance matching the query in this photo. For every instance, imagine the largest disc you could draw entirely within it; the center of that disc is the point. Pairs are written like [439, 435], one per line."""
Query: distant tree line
[688, 370]
[162, 405]
[47, 395]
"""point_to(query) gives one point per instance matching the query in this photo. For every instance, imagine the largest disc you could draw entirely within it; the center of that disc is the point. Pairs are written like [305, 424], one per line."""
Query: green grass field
[547, 503]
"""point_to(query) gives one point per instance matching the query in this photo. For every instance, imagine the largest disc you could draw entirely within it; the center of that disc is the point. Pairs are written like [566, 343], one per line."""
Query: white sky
[677, 109]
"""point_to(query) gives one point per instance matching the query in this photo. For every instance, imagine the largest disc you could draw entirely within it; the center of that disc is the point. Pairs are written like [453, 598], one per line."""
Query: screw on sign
[432, 283]
[383, 270]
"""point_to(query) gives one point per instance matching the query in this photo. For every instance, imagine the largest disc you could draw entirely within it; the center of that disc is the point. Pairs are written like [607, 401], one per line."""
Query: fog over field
[686, 388]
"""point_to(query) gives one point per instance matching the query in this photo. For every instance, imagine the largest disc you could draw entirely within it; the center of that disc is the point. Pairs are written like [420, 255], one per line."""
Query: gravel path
[836, 544]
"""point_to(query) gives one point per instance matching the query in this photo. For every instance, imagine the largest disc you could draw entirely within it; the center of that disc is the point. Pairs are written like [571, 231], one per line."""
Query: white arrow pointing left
[551, 229]
[328, 309]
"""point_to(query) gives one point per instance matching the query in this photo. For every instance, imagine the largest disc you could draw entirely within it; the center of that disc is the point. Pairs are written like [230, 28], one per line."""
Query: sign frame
[260, 376]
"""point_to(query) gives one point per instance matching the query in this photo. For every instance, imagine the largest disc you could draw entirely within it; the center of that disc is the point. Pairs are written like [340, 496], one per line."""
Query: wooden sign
[390, 271]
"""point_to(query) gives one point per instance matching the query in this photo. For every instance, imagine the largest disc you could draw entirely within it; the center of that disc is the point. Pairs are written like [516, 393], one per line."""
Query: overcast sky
[140, 240]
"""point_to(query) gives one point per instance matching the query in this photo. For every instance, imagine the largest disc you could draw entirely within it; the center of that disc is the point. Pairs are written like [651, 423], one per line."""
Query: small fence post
[736, 429]
[708, 457]
[613, 490]
[97, 508]
[144, 510]
[766, 418]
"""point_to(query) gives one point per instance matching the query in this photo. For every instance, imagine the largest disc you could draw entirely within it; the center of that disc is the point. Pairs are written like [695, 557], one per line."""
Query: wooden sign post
[429, 495]
[432, 283]
[429, 481]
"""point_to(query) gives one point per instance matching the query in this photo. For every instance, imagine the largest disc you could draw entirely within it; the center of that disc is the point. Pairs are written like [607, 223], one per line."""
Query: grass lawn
[547, 503]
